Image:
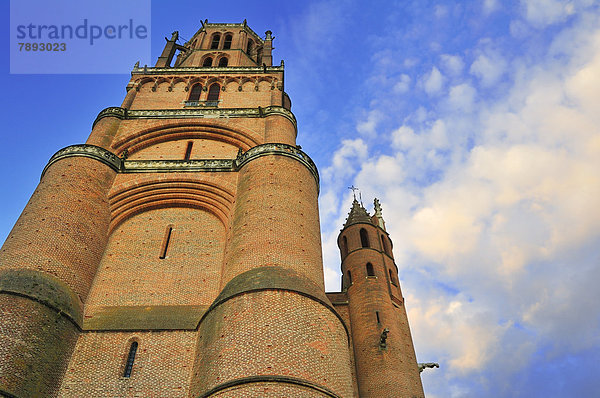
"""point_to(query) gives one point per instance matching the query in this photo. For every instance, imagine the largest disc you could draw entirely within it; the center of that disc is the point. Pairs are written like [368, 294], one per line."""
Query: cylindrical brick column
[279, 129]
[107, 123]
[275, 218]
[47, 265]
[388, 369]
[272, 331]
[272, 328]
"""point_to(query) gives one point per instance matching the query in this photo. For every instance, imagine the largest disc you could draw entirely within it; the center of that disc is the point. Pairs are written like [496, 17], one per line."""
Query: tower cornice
[207, 113]
[148, 70]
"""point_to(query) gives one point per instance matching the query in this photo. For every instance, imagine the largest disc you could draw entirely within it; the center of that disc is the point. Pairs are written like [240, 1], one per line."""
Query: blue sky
[476, 124]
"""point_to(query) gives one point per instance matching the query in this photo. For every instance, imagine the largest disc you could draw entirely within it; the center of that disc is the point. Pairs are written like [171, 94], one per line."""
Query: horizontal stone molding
[273, 278]
[143, 317]
[174, 166]
[45, 289]
[6, 394]
[112, 111]
[279, 149]
[209, 70]
[90, 151]
[196, 113]
[270, 379]
[178, 166]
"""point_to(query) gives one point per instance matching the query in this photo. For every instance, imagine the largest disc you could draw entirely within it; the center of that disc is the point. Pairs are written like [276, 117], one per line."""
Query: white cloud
[440, 11]
[462, 97]
[433, 82]
[410, 62]
[490, 6]
[454, 64]
[346, 158]
[403, 85]
[498, 197]
[368, 127]
[488, 67]
[546, 12]
[404, 138]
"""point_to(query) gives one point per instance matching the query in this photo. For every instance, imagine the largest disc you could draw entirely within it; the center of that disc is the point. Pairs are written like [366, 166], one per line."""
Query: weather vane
[354, 189]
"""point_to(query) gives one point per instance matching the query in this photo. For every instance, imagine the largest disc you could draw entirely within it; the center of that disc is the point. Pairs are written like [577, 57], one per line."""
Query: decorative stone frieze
[146, 70]
[90, 151]
[178, 166]
[203, 113]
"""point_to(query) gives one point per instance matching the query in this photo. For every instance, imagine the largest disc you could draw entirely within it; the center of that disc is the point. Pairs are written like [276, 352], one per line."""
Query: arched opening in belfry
[213, 92]
[227, 42]
[216, 39]
[207, 62]
[195, 92]
[223, 61]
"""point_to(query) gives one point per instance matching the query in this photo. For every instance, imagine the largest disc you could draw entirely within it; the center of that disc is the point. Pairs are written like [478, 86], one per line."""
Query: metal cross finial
[354, 189]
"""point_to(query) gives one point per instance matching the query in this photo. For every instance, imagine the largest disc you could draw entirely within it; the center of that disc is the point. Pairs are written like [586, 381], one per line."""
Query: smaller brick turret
[384, 355]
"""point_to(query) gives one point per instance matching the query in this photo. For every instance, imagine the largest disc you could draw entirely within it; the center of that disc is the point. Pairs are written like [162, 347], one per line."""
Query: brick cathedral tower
[178, 254]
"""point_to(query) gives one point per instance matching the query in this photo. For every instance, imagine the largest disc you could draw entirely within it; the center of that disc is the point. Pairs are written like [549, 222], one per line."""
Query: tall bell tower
[177, 253]
[383, 350]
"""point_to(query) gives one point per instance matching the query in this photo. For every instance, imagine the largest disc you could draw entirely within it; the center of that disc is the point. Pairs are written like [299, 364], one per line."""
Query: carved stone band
[215, 113]
[185, 166]
[148, 70]
[279, 149]
[90, 151]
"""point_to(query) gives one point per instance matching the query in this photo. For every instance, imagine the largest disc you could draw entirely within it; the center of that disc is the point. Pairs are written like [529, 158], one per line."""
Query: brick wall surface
[256, 90]
[280, 129]
[177, 149]
[390, 371]
[88, 230]
[275, 220]
[161, 369]
[136, 134]
[35, 345]
[132, 272]
[63, 229]
[344, 312]
[269, 390]
[272, 332]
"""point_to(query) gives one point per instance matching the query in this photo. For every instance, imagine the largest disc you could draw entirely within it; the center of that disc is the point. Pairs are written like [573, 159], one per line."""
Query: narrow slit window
[349, 278]
[216, 39]
[392, 277]
[213, 92]
[344, 246]
[166, 241]
[377, 316]
[130, 359]
[364, 238]
[250, 47]
[223, 61]
[227, 42]
[370, 271]
[207, 62]
[188, 150]
[195, 92]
